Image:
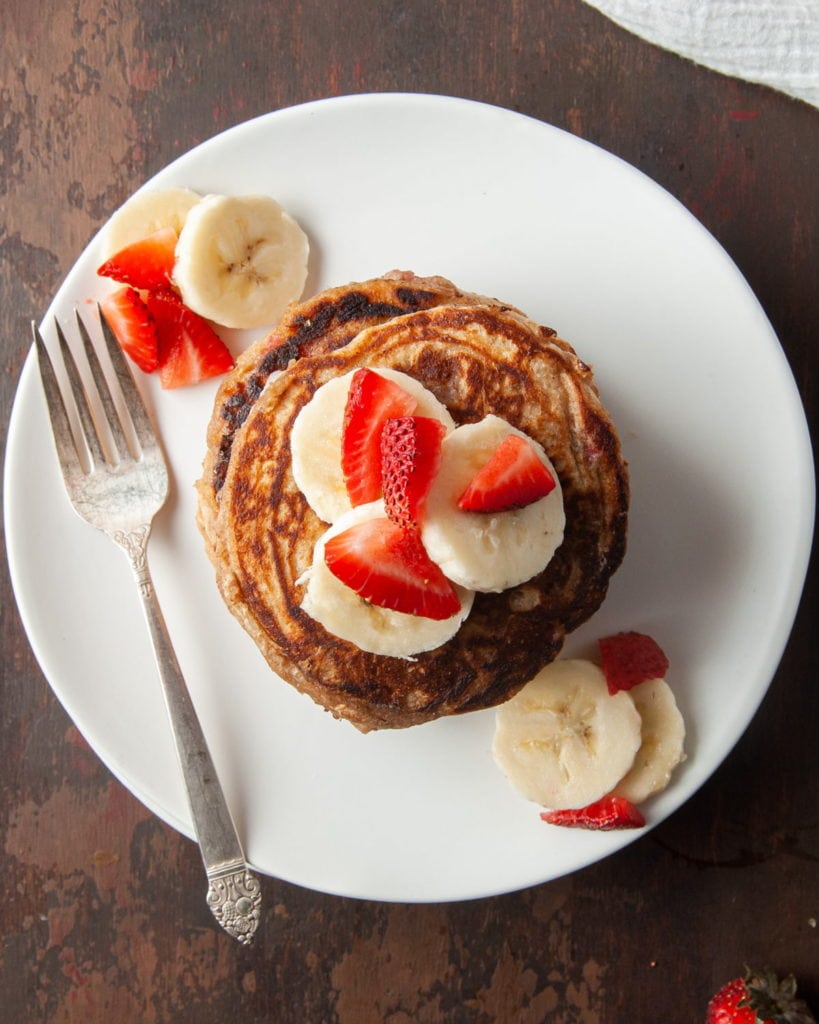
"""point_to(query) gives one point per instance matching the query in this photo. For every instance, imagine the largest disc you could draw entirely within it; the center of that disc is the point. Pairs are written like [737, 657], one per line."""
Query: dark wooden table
[101, 910]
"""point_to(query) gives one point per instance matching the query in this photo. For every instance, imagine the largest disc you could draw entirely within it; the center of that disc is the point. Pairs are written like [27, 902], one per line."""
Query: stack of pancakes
[477, 356]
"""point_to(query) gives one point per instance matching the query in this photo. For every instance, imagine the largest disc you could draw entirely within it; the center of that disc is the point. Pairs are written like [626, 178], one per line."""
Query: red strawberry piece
[725, 1008]
[146, 264]
[513, 477]
[371, 401]
[389, 567]
[628, 659]
[410, 457]
[189, 349]
[133, 327]
[611, 812]
[759, 997]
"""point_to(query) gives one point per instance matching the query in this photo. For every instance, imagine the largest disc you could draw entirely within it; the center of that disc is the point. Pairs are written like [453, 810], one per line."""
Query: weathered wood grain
[101, 910]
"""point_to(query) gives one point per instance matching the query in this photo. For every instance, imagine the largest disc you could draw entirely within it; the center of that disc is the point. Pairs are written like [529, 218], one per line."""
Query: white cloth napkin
[772, 42]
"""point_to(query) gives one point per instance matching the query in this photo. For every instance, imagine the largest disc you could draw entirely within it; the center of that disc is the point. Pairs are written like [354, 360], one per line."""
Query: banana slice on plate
[481, 550]
[663, 736]
[564, 741]
[240, 260]
[315, 441]
[371, 628]
[146, 212]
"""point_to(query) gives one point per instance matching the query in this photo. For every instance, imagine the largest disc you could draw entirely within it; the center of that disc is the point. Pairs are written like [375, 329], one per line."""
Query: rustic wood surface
[101, 909]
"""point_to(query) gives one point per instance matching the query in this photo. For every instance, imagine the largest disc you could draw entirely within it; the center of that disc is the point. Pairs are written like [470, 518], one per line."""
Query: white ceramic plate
[721, 512]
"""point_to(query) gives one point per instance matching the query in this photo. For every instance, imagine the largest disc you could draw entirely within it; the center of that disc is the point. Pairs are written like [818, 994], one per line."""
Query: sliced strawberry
[189, 349]
[146, 264]
[389, 567]
[611, 812]
[628, 659]
[133, 327]
[372, 400]
[513, 477]
[410, 457]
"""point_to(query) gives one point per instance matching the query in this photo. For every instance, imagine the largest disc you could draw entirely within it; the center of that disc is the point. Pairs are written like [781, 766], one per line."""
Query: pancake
[476, 359]
[322, 323]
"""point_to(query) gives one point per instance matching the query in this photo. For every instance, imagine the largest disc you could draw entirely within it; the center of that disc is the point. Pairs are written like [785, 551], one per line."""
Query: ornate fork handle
[234, 893]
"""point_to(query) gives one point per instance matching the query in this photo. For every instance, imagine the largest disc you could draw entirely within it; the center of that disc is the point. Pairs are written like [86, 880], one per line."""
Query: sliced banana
[564, 741]
[146, 212]
[663, 737]
[377, 630]
[240, 260]
[315, 441]
[488, 551]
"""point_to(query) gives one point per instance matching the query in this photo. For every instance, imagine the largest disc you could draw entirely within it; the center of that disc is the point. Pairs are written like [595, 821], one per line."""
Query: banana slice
[240, 260]
[146, 212]
[377, 630]
[564, 741]
[315, 441]
[663, 736]
[488, 551]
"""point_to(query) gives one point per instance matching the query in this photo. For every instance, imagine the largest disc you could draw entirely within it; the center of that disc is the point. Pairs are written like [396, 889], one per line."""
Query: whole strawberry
[758, 998]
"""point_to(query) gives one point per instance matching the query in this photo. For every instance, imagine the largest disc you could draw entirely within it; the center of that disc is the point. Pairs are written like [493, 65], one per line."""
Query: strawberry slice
[610, 812]
[371, 401]
[133, 327]
[628, 659]
[389, 567]
[189, 349]
[513, 477]
[410, 457]
[146, 264]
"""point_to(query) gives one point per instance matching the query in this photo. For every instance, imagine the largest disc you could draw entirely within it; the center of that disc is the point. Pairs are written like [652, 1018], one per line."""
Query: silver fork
[117, 480]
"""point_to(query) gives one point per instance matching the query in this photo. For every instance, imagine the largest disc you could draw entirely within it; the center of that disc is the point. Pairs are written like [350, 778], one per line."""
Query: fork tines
[110, 420]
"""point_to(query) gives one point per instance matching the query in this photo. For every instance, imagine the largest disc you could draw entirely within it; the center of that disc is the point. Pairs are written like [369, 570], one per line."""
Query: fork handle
[234, 893]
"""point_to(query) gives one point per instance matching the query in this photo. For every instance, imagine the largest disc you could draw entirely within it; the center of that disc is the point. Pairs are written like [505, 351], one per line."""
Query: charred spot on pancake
[276, 359]
[351, 306]
[236, 407]
[220, 465]
[358, 306]
[414, 298]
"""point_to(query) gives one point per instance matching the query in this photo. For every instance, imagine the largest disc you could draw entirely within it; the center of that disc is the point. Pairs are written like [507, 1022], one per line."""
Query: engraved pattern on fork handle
[235, 897]
[135, 543]
[234, 892]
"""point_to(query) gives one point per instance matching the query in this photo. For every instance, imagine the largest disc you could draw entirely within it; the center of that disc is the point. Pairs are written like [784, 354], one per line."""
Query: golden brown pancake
[322, 323]
[476, 360]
